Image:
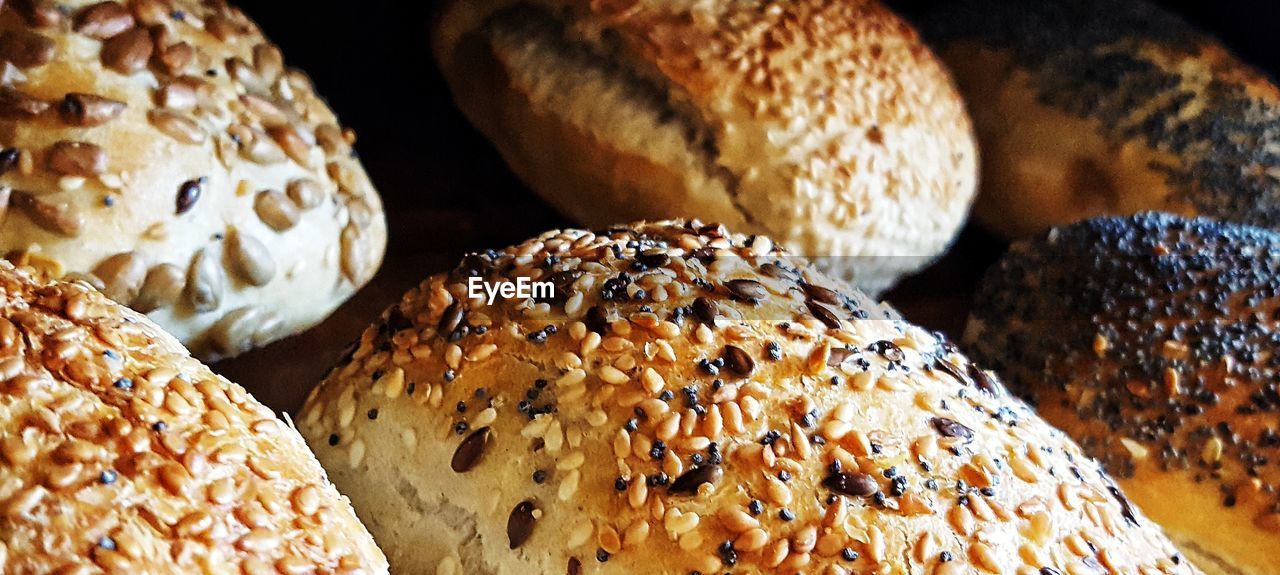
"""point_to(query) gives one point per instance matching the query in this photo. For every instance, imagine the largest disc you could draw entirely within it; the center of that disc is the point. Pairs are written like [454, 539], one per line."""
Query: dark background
[447, 191]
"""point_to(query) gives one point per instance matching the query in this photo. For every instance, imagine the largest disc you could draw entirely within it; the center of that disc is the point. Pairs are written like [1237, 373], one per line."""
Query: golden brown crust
[1149, 340]
[119, 453]
[140, 135]
[685, 402]
[1087, 108]
[825, 124]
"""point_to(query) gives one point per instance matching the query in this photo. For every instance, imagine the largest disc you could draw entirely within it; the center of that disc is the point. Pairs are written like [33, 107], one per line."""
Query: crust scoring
[827, 125]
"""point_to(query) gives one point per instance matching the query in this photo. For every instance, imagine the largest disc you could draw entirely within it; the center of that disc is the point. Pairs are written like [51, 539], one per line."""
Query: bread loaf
[826, 125]
[1087, 108]
[119, 453]
[161, 150]
[689, 400]
[1150, 339]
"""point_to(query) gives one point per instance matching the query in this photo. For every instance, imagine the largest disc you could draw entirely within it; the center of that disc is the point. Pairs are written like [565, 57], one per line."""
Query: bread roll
[161, 150]
[1150, 340]
[826, 125]
[694, 401]
[1086, 108]
[119, 453]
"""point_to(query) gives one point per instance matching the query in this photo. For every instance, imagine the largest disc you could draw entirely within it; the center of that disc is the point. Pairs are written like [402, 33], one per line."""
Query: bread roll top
[827, 125]
[162, 150]
[690, 400]
[1150, 340]
[119, 453]
[1108, 107]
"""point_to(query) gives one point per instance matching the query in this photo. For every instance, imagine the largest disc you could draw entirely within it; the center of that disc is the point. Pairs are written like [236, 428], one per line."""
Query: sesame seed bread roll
[1086, 108]
[1151, 340]
[119, 453]
[690, 401]
[161, 150]
[824, 124]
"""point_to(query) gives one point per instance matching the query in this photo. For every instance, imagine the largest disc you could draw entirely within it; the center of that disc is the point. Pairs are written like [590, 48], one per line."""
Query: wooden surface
[447, 192]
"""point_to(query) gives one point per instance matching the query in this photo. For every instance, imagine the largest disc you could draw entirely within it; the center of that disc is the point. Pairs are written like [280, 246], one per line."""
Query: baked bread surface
[1150, 340]
[690, 400]
[1108, 107]
[161, 150]
[119, 453]
[827, 125]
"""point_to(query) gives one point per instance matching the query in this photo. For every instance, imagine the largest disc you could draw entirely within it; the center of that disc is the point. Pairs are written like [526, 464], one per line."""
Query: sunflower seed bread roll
[1089, 108]
[1150, 340]
[161, 150]
[691, 401]
[826, 125]
[119, 453]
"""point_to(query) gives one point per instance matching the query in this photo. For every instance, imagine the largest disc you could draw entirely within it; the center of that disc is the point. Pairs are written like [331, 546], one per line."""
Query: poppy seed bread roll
[826, 125]
[162, 151]
[688, 400]
[1151, 340]
[119, 453]
[1088, 108]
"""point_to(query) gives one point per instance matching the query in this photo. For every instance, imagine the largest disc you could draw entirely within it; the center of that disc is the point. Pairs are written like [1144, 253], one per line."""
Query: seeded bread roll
[1150, 339]
[1086, 108]
[694, 401]
[119, 453]
[161, 150]
[827, 125]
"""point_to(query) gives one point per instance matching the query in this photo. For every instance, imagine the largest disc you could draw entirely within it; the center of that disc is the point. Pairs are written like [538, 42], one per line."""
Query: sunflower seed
[242, 329]
[305, 192]
[269, 62]
[122, 276]
[103, 20]
[177, 95]
[204, 282]
[38, 13]
[174, 59]
[162, 288]
[176, 125]
[276, 210]
[89, 109]
[292, 142]
[128, 51]
[26, 49]
[250, 260]
[150, 12]
[77, 159]
[358, 264]
[16, 104]
[259, 148]
[59, 218]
